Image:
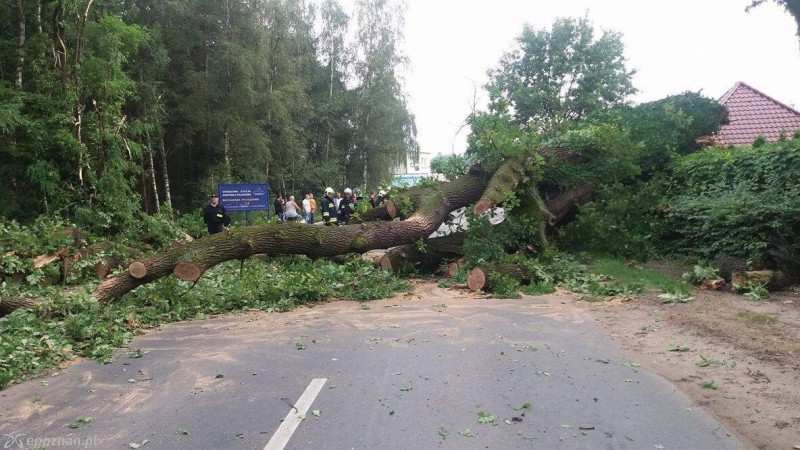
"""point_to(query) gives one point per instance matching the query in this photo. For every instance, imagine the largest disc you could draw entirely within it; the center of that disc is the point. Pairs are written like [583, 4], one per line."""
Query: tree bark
[427, 257]
[503, 182]
[165, 175]
[20, 42]
[563, 205]
[9, 305]
[152, 172]
[480, 278]
[293, 238]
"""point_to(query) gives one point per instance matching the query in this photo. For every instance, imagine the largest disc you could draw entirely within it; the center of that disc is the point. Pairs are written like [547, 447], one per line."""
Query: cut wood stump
[137, 270]
[188, 271]
[476, 279]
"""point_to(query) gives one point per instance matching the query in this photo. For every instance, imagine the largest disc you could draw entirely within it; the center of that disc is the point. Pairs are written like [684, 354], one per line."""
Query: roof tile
[751, 114]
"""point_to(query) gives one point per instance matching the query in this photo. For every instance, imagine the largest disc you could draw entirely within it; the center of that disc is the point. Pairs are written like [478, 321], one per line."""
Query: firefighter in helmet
[346, 207]
[329, 213]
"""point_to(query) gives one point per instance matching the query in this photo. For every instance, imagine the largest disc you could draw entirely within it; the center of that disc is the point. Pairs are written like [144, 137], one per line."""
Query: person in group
[346, 207]
[291, 210]
[307, 207]
[379, 199]
[337, 200]
[278, 204]
[329, 214]
[214, 216]
[372, 200]
[313, 208]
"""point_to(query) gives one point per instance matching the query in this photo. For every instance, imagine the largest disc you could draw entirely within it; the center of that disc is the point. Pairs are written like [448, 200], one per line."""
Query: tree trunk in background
[20, 42]
[39, 16]
[152, 173]
[226, 149]
[165, 175]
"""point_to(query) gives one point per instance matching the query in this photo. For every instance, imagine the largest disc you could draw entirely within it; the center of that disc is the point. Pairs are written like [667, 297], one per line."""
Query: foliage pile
[76, 325]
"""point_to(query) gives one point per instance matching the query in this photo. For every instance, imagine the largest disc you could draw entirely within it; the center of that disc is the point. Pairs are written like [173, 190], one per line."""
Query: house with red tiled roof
[753, 114]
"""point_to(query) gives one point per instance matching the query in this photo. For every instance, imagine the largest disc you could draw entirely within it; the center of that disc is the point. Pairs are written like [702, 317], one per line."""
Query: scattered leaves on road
[525, 407]
[486, 418]
[711, 384]
[81, 422]
[678, 348]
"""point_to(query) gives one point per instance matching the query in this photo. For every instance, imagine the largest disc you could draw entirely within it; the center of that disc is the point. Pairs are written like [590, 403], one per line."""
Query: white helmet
[348, 191]
[329, 190]
[382, 193]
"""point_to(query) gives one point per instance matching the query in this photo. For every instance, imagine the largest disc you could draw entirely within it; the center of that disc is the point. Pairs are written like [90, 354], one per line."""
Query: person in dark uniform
[214, 216]
[279, 204]
[329, 213]
[347, 206]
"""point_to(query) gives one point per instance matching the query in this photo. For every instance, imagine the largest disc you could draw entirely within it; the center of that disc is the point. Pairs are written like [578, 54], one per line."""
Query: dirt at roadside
[738, 358]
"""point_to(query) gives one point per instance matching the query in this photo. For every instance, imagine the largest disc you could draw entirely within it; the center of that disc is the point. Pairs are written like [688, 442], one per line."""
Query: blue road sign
[244, 197]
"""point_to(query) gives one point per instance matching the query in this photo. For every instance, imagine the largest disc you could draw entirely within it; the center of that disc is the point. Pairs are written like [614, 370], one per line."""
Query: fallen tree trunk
[8, 305]
[428, 256]
[503, 182]
[293, 238]
[436, 250]
[387, 211]
[564, 204]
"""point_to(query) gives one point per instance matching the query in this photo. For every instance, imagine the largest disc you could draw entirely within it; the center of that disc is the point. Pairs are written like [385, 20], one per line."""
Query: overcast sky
[674, 45]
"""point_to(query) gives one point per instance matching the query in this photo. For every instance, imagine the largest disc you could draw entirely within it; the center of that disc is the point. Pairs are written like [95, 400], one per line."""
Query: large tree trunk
[9, 305]
[190, 260]
[428, 256]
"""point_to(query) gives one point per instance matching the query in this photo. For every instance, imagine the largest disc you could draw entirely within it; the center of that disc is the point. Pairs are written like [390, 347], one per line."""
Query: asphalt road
[416, 372]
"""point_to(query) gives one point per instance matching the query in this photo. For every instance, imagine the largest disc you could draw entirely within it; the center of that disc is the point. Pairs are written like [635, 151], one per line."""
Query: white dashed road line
[295, 416]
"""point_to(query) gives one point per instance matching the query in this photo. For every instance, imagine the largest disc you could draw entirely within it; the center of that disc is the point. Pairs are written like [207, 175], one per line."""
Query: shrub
[741, 202]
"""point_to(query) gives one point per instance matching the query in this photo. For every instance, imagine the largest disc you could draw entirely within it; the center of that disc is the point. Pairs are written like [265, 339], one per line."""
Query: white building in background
[414, 170]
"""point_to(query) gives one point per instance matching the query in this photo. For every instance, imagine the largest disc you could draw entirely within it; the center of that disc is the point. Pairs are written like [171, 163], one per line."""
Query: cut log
[137, 270]
[188, 271]
[104, 268]
[8, 305]
[373, 256]
[44, 260]
[476, 279]
[453, 267]
[295, 238]
[771, 279]
[429, 256]
[480, 278]
[386, 212]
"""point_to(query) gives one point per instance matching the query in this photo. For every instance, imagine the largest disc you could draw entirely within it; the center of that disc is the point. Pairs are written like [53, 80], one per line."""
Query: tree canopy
[561, 74]
[110, 108]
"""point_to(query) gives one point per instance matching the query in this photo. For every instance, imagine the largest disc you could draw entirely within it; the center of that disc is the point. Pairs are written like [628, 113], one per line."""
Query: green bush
[622, 221]
[741, 202]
